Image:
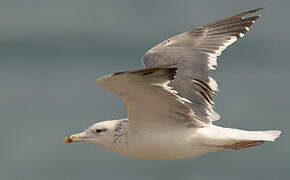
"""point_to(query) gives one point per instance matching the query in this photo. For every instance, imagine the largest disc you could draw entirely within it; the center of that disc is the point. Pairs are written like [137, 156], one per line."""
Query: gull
[169, 102]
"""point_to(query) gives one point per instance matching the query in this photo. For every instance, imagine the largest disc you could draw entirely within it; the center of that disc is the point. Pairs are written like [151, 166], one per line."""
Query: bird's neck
[120, 131]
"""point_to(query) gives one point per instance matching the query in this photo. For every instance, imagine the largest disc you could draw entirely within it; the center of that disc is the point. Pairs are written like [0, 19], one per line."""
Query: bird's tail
[239, 139]
[254, 135]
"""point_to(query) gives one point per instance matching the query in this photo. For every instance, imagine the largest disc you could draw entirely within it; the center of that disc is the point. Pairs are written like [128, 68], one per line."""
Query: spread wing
[195, 53]
[150, 102]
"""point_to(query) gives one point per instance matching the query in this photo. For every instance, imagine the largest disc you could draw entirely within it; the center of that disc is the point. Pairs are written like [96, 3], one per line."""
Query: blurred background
[51, 53]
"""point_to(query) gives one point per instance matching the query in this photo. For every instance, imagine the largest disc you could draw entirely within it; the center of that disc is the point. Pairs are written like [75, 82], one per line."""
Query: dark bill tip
[67, 139]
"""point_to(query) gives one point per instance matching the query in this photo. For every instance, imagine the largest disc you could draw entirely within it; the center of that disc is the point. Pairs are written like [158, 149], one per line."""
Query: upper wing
[195, 53]
[150, 102]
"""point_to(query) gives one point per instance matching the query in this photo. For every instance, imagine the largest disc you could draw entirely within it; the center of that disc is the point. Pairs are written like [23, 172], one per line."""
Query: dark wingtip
[250, 11]
[240, 15]
[255, 10]
[169, 71]
[172, 73]
[117, 73]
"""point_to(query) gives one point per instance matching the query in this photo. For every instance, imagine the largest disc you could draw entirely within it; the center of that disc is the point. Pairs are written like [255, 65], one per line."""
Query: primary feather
[196, 53]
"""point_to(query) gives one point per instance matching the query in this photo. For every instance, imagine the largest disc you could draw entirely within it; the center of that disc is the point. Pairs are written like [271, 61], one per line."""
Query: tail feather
[238, 139]
[266, 135]
[245, 139]
[230, 135]
[255, 135]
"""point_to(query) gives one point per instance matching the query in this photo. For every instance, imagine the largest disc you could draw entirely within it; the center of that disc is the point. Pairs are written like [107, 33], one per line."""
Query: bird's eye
[98, 130]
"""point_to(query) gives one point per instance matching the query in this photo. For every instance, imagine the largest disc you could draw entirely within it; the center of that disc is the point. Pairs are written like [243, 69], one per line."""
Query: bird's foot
[243, 144]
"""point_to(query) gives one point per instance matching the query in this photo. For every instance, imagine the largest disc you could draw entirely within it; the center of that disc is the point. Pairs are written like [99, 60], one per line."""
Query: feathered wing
[150, 102]
[195, 53]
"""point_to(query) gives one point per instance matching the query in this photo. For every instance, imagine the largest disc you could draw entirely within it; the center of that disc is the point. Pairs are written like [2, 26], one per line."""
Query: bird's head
[101, 134]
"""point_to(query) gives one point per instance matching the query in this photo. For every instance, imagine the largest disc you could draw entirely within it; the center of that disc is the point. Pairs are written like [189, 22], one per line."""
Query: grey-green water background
[52, 51]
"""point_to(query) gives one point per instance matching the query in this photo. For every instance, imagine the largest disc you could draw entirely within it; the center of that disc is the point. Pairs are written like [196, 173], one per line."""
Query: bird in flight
[170, 104]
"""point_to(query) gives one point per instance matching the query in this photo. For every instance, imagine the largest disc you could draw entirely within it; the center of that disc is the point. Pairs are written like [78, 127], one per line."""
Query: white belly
[166, 145]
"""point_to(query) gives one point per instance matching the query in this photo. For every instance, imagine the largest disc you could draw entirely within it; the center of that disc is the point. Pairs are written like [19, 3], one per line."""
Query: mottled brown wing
[195, 53]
